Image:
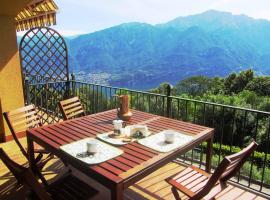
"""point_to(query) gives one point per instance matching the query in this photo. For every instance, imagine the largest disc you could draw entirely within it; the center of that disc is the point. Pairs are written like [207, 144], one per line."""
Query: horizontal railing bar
[222, 105]
[161, 95]
[125, 89]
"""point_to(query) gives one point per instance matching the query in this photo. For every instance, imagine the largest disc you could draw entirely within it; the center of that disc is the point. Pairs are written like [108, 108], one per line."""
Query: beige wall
[11, 92]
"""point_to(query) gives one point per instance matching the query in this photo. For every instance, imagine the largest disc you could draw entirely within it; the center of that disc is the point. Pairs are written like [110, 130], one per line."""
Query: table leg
[117, 193]
[32, 161]
[31, 154]
[209, 155]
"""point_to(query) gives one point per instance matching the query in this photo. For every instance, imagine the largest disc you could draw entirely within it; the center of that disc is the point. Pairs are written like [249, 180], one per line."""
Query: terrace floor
[151, 187]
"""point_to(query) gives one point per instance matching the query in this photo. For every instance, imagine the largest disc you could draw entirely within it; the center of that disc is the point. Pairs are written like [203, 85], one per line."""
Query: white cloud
[219, 4]
[66, 32]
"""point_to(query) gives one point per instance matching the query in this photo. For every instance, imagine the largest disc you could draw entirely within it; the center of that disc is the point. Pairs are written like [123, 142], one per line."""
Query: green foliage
[94, 99]
[161, 89]
[198, 85]
[260, 85]
[243, 90]
[232, 84]
[245, 98]
[224, 150]
[236, 83]
[257, 170]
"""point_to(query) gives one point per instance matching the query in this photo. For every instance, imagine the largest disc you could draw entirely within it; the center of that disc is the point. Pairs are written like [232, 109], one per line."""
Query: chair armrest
[180, 187]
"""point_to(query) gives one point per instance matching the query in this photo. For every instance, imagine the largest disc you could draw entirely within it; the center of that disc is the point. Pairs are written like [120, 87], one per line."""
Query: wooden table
[135, 163]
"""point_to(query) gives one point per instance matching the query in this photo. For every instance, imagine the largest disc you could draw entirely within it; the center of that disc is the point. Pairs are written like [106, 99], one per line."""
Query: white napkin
[133, 128]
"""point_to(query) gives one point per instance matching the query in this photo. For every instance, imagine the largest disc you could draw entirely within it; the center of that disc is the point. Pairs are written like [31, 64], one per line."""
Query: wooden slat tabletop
[135, 158]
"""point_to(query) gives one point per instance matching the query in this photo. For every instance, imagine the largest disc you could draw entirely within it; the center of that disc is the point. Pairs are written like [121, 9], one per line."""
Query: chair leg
[175, 193]
[44, 181]
[41, 163]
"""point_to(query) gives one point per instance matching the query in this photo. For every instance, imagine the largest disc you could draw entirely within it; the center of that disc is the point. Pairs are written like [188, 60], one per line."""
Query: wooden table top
[136, 157]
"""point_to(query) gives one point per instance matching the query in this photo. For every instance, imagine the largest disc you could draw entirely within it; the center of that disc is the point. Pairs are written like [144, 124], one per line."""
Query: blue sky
[84, 16]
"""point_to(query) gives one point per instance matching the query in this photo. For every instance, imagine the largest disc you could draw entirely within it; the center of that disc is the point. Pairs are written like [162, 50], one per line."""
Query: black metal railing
[234, 126]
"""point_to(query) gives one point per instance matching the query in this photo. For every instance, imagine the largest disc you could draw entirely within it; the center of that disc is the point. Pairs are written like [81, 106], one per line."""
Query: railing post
[73, 84]
[169, 100]
[67, 93]
[27, 91]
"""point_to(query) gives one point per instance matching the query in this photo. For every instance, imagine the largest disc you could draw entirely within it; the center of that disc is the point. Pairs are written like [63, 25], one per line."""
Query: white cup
[118, 124]
[91, 147]
[126, 131]
[169, 137]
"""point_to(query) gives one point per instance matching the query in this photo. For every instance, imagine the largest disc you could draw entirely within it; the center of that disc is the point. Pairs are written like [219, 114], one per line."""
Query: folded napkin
[134, 128]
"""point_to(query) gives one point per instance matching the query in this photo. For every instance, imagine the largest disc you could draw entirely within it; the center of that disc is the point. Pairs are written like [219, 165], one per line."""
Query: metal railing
[234, 126]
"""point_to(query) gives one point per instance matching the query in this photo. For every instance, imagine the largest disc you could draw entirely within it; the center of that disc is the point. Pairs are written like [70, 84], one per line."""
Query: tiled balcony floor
[151, 187]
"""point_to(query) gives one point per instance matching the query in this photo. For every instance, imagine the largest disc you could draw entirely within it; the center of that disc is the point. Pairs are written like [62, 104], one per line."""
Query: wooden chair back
[229, 166]
[237, 160]
[20, 120]
[71, 108]
[24, 176]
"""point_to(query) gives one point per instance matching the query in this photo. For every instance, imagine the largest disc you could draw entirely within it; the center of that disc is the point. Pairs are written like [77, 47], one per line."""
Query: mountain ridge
[212, 43]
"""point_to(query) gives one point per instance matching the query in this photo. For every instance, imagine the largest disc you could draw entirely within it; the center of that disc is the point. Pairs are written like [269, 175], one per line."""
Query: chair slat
[22, 119]
[27, 126]
[75, 114]
[22, 116]
[68, 101]
[21, 110]
[33, 118]
[198, 180]
[197, 184]
[72, 105]
[71, 108]
[192, 179]
[232, 165]
[237, 161]
[186, 176]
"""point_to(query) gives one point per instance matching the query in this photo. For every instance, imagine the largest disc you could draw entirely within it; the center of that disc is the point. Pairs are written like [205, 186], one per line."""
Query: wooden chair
[71, 108]
[19, 121]
[197, 184]
[67, 187]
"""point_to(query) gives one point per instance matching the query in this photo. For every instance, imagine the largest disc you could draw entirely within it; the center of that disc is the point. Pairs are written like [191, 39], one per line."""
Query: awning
[36, 14]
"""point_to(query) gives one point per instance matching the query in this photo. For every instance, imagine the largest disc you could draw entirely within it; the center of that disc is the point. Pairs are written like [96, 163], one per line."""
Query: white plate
[115, 141]
[105, 152]
[157, 141]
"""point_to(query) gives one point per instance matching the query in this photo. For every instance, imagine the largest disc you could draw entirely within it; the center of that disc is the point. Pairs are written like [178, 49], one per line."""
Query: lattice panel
[43, 54]
[46, 97]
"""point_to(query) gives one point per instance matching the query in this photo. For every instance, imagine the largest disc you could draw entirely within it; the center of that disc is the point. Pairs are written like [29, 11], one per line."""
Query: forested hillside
[141, 56]
[244, 89]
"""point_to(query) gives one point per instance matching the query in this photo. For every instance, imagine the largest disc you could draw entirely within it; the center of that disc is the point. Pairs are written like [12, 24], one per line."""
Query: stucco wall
[11, 92]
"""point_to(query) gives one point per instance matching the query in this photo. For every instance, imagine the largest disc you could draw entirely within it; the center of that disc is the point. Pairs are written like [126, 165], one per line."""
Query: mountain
[139, 55]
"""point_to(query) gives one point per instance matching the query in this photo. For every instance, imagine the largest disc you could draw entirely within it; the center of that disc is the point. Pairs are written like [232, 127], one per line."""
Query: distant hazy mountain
[141, 56]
